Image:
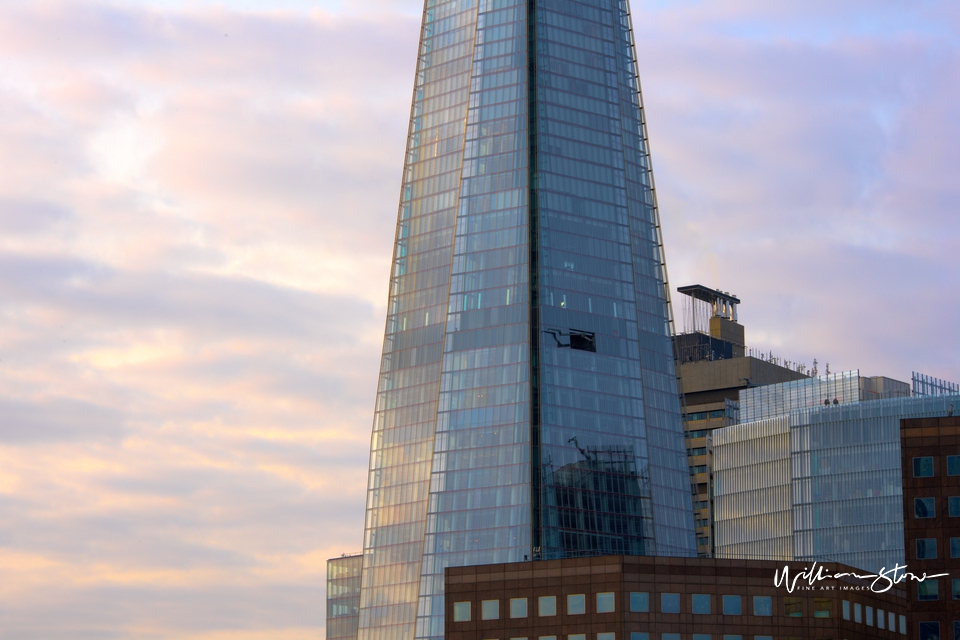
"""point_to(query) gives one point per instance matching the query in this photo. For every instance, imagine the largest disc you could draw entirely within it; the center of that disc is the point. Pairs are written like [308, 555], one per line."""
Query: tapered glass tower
[527, 405]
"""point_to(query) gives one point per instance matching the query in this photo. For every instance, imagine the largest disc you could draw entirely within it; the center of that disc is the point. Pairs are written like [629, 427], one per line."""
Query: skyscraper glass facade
[527, 404]
[843, 470]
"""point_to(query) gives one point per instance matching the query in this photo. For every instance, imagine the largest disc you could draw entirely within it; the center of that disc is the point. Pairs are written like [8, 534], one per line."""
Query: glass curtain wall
[343, 596]
[479, 511]
[843, 469]
[402, 444]
[752, 484]
[611, 455]
[771, 400]
[527, 404]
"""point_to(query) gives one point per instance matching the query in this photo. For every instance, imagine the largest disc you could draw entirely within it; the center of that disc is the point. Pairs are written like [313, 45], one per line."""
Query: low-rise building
[819, 482]
[659, 598]
[930, 454]
[343, 596]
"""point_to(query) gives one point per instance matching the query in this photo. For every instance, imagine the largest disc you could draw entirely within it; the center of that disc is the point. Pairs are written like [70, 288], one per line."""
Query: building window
[762, 637]
[903, 625]
[490, 610]
[669, 603]
[846, 609]
[762, 606]
[730, 637]
[869, 616]
[518, 607]
[670, 636]
[576, 604]
[955, 588]
[547, 638]
[639, 635]
[461, 611]
[857, 612]
[822, 608]
[929, 630]
[953, 465]
[731, 606]
[793, 607]
[577, 636]
[924, 508]
[547, 606]
[701, 603]
[955, 547]
[892, 619]
[923, 467]
[701, 636]
[606, 636]
[926, 548]
[639, 601]
[928, 590]
[880, 618]
[605, 602]
[954, 506]
[956, 630]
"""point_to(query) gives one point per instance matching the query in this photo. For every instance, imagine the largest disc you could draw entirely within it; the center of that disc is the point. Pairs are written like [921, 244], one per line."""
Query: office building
[640, 598]
[821, 481]
[343, 596]
[527, 406]
[715, 366]
[930, 463]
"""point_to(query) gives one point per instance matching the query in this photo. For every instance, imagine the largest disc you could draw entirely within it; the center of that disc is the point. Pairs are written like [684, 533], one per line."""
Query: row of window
[700, 604]
[928, 631]
[703, 415]
[546, 606]
[927, 548]
[927, 507]
[923, 466]
[884, 620]
[929, 590]
[642, 635]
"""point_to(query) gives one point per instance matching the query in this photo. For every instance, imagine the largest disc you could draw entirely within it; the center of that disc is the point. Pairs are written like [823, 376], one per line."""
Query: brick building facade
[658, 598]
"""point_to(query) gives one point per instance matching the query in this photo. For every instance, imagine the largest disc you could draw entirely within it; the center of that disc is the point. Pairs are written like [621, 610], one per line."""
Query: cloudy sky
[197, 202]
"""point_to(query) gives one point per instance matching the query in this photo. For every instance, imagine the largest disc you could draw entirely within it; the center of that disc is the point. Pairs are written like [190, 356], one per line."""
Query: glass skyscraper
[527, 406]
